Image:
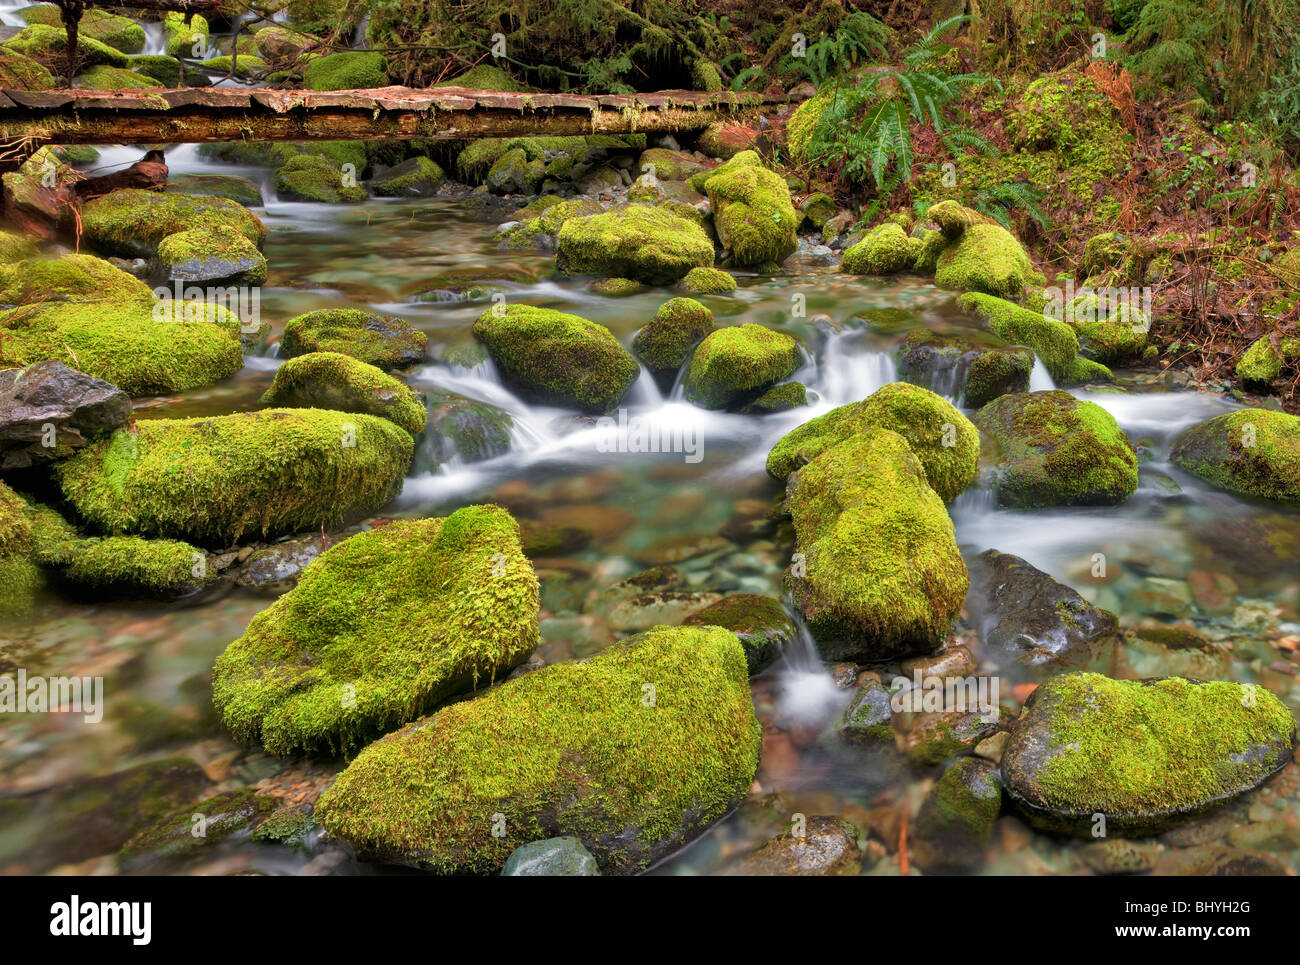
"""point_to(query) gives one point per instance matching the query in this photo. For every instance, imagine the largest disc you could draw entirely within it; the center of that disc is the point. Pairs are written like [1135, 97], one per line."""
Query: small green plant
[832, 57]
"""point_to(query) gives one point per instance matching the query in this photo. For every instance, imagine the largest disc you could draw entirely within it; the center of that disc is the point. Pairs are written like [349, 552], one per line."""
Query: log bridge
[189, 115]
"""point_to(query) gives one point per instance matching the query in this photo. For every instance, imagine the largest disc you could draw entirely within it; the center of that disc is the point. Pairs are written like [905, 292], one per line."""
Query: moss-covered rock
[185, 36]
[707, 281]
[513, 173]
[18, 72]
[485, 77]
[329, 380]
[540, 230]
[636, 241]
[212, 480]
[985, 258]
[47, 45]
[379, 630]
[20, 578]
[122, 343]
[230, 186]
[1250, 451]
[884, 251]
[461, 430]
[668, 165]
[130, 566]
[15, 247]
[476, 158]
[1082, 371]
[761, 623]
[131, 222]
[557, 358]
[877, 573]
[817, 209]
[779, 398]
[163, 69]
[245, 67]
[1055, 343]
[1147, 754]
[665, 343]
[104, 77]
[955, 823]
[942, 438]
[963, 368]
[1055, 450]
[348, 70]
[733, 365]
[275, 42]
[173, 841]
[67, 278]
[752, 214]
[635, 752]
[1262, 362]
[383, 341]
[803, 121]
[310, 177]
[216, 253]
[416, 177]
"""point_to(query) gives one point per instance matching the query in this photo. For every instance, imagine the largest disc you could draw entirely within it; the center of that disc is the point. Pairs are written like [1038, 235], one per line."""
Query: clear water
[381, 254]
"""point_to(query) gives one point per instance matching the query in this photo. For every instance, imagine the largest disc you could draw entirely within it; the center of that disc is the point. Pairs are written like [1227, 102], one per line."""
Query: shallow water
[643, 509]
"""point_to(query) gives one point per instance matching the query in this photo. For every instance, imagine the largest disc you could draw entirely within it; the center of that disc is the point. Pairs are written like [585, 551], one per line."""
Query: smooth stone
[551, 857]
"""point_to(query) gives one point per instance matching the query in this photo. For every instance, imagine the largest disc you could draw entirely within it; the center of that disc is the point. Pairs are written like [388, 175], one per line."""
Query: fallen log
[149, 173]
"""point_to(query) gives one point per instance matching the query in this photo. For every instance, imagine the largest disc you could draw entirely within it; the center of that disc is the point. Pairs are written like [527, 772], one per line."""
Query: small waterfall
[153, 38]
[807, 692]
[1040, 380]
[849, 371]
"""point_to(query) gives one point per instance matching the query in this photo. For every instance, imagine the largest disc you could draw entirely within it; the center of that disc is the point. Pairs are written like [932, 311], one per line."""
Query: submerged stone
[962, 368]
[824, 846]
[635, 752]
[761, 623]
[554, 857]
[379, 630]
[955, 825]
[1146, 754]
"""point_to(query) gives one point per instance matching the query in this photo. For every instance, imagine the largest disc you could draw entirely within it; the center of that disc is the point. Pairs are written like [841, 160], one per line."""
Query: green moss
[1262, 362]
[817, 209]
[1126, 747]
[349, 70]
[635, 752]
[214, 479]
[997, 372]
[131, 222]
[484, 77]
[802, 123]
[760, 622]
[665, 344]
[181, 35]
[668, 165]
[753, 214]
[736, 363]
[15, 247]
[779, 398]
[616, 287]
[379, 630]
[20, 582]
[558, 358]
[329, 380]
[216, 253]
[541, 229]
[637, 241]
[104, 77]
[985, 258]
[129, 564]
[704, 76]
[477, 158]
[309, 177]
[245, 67]
[880, 574]
[1103, 251]
[884, 251]
[416, 176]
[285, 827]
[121, 343]
[1053, 342]
[707, 281]
[944, 440]
[47, 45]
[383, 341]
[1055, 450]
[224, 815]
[22, 73]
[1251, 451]
[1082, 371]
[15, 522]
[71, 277]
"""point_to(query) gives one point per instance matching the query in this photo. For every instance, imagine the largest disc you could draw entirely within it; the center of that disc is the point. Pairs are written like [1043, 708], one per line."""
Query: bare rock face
[49, 409]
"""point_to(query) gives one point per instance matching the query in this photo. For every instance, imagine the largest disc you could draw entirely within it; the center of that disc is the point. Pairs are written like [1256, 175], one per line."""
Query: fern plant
[866, 128]
[858, 38]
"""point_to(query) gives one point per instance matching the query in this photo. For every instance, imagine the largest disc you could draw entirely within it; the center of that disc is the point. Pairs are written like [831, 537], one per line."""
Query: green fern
[858, 38]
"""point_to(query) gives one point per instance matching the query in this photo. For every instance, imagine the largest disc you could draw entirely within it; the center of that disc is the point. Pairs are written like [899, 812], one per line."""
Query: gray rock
[48, 409]
[762, 624]
[823, 846]
[553, 857]
[868, 717]
[956, 820]
[276, 568]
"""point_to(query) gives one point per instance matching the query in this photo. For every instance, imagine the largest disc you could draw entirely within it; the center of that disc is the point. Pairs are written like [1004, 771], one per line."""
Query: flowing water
[642, 510]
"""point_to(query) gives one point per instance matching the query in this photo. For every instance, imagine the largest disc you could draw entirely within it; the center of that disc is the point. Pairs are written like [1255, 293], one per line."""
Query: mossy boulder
[461, 430]
[954, 827]
[1103, 251]
[1052, 449]
[212, 480]
[779, 398]
[379, 630]
[804, 120]
[1146, 754]
[817, 209]
[67, 278]
[668, 165]
[275, 42]
[736, 364]
[329, 380]
[245, 67]
[122, 343]
[172, 842]
[348, 70]
[161, 68]
[1251, 451]
[18, 72]
[945, 441]
[185, 37]
[242, 190]
[416, 177]
[635, 752]
[15, 247]
[217, 253]
[484, 77]
[1054, 342]
[310, 177]
[884, 251]
[47, 45]
[384, 341]
[761, 623]
[104, 77]
[132, 222]
[665, 343]
[1262, 362]
[707, 281]
[963, 368]
[20, 578]
[979, 255]
[476, 158]
[514, 173]
[557, 358]
[128, 566]
[752, 214]
[540, 230]
[876, 573]
[636, 241]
